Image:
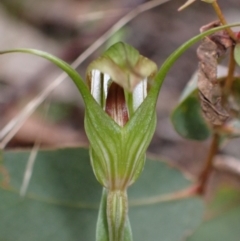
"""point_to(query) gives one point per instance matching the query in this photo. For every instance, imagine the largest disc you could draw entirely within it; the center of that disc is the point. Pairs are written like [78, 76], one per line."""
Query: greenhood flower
[119, 81]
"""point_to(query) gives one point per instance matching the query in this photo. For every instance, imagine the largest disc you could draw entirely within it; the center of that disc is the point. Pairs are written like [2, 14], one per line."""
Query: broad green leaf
[186, 117]
[152, 220]
[63, 198]
[222, 218]
[188, 121]
[237, 53]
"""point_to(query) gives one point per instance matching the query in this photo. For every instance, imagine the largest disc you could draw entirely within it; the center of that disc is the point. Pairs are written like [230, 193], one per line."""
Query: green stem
[231, 69]
[117, 208]
[102, 232]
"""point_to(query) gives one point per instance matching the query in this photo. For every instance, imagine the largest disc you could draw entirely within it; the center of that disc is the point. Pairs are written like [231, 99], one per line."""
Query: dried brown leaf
[210, 92]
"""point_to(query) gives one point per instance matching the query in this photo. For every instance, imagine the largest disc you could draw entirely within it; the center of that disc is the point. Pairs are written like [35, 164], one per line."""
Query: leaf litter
[209, 52]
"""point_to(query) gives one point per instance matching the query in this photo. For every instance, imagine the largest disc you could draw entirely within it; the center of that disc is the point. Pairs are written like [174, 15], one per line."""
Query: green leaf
[186, 117]
[154, 220]
[188, 121]
[237, 53]
[63, 198]
[222, 218]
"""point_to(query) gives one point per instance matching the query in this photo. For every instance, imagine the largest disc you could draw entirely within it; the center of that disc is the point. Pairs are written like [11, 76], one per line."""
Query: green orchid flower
[119, 81]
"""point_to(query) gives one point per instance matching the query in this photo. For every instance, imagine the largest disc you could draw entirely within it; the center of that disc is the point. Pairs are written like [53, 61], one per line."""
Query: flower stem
[204, 176]
[117, 209]
[222, 19]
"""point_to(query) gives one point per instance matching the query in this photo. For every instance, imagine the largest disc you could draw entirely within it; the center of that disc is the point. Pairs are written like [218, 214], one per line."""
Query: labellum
[116, 105]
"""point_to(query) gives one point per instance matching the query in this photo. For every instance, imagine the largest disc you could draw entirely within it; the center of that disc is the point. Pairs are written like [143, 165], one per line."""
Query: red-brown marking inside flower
[116, 105]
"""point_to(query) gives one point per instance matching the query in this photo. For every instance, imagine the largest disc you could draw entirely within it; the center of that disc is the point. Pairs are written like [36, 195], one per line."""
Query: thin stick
[222, 19]
[15, 124]
[29, 169]
[208, 164]
[94, 16]
[231, 69]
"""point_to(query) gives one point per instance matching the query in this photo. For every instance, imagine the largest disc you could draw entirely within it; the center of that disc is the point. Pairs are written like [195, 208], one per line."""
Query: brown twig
[204, 176]
[222, 19]
[231, 69]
